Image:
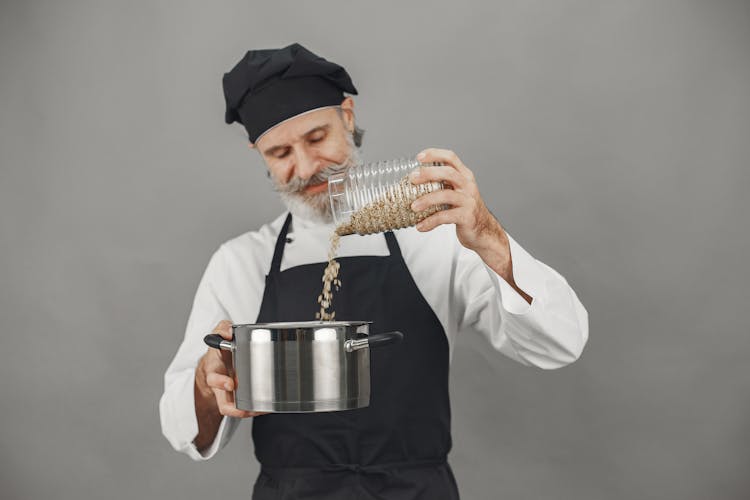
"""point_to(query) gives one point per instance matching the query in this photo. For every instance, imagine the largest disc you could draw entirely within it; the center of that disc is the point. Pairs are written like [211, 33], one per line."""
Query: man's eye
[317, 138]
[283, 154]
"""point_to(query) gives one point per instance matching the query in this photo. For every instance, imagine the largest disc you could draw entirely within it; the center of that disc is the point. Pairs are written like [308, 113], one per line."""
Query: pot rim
[288, 325]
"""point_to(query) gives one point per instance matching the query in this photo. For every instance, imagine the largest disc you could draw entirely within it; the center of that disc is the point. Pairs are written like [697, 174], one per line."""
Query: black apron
[394, 449]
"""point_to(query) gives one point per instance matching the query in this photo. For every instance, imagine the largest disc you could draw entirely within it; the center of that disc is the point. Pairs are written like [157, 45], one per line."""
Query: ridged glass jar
[377, 197]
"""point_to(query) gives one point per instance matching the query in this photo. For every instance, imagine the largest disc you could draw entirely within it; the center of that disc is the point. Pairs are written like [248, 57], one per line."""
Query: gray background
[610, 138]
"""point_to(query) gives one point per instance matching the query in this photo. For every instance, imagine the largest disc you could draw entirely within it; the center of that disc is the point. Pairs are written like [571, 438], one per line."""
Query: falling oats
[391, 211]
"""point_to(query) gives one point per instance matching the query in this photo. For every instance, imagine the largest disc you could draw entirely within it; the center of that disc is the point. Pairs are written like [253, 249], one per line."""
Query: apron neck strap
[279, 250]
[393, 247]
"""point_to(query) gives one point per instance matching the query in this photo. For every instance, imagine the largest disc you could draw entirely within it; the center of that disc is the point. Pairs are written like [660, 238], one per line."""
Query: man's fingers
[439, 197]
[219, 381]
[445, 156]
[225, 402]
[223, 385]
[452, 216]
[224, 328]
[446, 174]
[218, 360]
[226, 405]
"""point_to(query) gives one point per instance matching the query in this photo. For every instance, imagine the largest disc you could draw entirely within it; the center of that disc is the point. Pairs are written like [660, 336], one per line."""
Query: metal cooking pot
[308, 366]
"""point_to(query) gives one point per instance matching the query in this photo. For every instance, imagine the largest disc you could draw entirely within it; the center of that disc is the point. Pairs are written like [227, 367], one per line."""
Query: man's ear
[250, 145]
[347, 108]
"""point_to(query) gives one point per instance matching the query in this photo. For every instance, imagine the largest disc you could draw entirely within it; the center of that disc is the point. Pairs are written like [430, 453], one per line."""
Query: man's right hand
[213, 390]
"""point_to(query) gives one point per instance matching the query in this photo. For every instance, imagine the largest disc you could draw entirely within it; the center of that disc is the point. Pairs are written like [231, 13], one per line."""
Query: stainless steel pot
[302, 367]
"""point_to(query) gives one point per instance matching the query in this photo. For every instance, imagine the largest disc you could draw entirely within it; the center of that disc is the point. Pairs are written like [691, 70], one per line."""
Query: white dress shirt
[466, 295]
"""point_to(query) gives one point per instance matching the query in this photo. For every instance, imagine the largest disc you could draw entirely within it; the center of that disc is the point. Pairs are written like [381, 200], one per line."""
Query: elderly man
[457, 272]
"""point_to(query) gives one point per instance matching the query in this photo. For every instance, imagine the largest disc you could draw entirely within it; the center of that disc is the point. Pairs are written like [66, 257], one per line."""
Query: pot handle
[376, 340]
[217, 342]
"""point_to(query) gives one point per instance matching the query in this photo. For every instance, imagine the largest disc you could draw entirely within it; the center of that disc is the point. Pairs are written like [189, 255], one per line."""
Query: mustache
[297, 185]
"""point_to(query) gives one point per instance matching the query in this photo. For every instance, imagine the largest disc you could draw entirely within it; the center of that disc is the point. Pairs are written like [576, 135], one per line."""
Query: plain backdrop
[612, 139]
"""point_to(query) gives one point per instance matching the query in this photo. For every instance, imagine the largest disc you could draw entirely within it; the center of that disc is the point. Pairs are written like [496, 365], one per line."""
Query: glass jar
[377, 197]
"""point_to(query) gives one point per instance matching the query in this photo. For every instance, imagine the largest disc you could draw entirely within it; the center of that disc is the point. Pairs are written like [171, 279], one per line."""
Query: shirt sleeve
[548, 333]
[179, 423]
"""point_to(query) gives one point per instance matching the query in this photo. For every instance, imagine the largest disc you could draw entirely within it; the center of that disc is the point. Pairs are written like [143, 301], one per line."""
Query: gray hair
[358, 133]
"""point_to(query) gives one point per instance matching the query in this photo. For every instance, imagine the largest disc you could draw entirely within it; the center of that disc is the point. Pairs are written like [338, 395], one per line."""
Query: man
[457, 272]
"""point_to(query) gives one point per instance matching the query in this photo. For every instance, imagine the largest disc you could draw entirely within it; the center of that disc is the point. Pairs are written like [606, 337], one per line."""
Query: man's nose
[307, 166]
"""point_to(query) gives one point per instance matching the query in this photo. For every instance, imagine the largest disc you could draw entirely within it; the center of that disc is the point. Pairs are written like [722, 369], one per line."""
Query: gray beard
[314, 207]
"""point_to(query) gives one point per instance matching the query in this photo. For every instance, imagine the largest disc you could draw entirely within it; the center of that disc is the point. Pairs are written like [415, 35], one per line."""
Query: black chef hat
[271, 85]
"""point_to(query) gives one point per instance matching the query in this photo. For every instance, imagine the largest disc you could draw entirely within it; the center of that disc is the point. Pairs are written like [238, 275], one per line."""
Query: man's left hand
[476, 228]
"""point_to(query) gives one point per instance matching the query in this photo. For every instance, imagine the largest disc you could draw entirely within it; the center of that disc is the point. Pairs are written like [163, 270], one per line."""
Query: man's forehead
[296, 127]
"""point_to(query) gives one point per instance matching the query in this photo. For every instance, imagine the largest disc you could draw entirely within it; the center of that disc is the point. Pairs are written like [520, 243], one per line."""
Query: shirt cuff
[529, 277]
[216, 445]
[183, 411]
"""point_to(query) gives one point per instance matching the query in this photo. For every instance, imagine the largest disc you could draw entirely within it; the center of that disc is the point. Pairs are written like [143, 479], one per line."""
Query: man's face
[302, 152]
